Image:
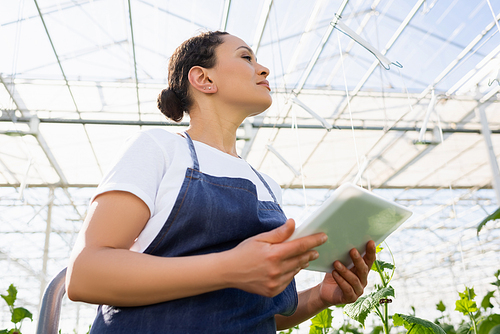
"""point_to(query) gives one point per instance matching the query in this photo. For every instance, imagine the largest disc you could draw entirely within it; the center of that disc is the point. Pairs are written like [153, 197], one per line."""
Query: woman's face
[240, 80]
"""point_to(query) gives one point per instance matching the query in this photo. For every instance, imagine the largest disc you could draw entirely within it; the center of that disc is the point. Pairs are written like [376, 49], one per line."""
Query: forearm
[124, 278]
[309, 305]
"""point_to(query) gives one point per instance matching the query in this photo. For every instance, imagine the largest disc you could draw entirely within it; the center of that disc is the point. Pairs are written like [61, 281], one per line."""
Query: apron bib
[211, 214]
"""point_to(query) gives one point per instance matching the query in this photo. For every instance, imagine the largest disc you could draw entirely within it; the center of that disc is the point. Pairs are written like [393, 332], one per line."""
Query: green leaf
[495, 330]
[465, 328]
[488, 323]
[382, 265]
[440, 306]
[465, 306]
[323, 319]
[485, 303]
[315, 330]
[416, 325]
[353, 330]
[495, 215]
[360, 309]
[4, 331]
[377, 330]
[449, 329]
[468, 294]
[10, 298]
[497, 283]
[20, 313]
[497, 273]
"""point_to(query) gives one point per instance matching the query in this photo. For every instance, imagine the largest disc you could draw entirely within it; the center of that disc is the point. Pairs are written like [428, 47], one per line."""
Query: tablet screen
[350, 217]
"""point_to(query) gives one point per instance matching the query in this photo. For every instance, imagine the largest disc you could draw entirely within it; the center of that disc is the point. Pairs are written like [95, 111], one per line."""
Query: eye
[249, 58]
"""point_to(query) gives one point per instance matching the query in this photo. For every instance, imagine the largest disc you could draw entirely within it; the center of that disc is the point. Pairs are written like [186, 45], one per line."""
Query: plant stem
[386, 318]
[473, 322]
[382, 317]
[381, 274]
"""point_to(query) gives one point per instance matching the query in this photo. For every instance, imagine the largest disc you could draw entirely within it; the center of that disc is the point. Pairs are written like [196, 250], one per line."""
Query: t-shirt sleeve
[138, 170]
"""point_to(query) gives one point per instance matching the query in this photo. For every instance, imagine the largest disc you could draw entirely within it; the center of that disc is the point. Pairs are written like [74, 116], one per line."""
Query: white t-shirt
[152, 166]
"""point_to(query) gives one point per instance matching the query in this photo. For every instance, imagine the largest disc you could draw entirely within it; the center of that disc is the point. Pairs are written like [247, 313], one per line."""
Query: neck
[215, 129]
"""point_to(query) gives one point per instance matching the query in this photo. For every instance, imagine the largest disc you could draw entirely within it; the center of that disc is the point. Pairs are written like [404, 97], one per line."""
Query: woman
[182, 235]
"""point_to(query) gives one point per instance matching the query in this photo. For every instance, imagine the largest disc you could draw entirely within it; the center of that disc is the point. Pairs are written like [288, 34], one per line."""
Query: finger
[349, 295]
[361, 268]
[299, 262]
[371, 253]
[302, 245]
[278, 235]
[351, 280]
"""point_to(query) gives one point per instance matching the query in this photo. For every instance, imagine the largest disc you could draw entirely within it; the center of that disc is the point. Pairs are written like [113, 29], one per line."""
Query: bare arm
[103, 270]
[342, 286]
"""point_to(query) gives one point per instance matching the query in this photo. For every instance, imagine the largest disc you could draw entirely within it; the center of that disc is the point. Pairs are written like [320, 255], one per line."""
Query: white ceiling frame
[225, 15]
[388, 46]
[264, 17]
[462, 54]
[67, 85]
[303, 39]
[351, 44]
[307, 72]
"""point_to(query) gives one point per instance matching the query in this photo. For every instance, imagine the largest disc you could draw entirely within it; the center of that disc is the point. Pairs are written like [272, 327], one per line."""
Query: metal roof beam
[59, 8]
[388, 46]
[14, 95]
[67, 82]
[457, 60]
[225, 15]
[250, 136]
[351, 44]
[135, 60]
[255, 125]
[309, 68]
[264, 16]
[303, 39]
[431, 147]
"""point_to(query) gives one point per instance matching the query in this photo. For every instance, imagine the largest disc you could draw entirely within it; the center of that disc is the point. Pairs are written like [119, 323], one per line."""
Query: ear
[199, 79]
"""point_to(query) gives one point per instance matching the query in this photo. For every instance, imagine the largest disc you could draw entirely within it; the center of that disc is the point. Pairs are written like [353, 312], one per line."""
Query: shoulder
[158, 136]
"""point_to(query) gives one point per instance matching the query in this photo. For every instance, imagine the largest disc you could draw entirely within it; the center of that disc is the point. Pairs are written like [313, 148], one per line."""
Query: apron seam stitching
[176, 214]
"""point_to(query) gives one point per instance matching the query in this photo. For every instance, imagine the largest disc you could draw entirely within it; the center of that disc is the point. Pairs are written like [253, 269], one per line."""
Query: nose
[262, 70]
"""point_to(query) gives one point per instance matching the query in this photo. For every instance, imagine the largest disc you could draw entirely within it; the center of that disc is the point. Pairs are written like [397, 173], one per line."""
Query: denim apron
[211, 214]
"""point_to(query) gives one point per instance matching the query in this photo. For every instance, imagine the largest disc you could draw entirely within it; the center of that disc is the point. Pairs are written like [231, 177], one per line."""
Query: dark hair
[196, 51]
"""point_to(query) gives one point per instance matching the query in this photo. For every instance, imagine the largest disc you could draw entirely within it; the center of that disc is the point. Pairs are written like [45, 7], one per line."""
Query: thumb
[279, 234]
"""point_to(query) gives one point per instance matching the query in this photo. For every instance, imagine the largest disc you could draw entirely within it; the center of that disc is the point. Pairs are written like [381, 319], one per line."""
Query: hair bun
[170, 105]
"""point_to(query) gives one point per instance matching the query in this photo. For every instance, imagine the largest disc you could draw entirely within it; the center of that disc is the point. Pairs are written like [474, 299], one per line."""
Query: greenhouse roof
[79, 77]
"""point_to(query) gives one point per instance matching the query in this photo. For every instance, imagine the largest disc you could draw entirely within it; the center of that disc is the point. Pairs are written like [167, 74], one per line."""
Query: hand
[265, 264]
[344, 286]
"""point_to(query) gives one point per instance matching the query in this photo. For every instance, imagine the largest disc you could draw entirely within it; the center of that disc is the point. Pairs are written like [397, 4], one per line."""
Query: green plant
[18, 314]
[321, 323]
[494, 216]
[444, 320]
[478, 323]
[378, 302]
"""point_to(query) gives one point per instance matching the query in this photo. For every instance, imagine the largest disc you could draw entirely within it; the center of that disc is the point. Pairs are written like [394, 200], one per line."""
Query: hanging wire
[13, 106]
[296, 130]
[351, 34]
[494, 16]
[349, 105]
[294, 117]
[497, 79]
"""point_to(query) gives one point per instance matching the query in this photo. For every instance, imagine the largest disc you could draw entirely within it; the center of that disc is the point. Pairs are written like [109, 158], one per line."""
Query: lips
[264, 83]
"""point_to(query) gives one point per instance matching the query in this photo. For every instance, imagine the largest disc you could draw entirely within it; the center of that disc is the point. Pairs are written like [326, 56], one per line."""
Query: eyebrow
[249, 50]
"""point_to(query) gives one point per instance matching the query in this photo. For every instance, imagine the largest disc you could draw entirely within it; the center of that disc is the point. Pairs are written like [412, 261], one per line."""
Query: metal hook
[383, 60]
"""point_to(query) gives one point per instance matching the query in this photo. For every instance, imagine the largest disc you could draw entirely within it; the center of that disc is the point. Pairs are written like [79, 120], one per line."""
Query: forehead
[232, 44]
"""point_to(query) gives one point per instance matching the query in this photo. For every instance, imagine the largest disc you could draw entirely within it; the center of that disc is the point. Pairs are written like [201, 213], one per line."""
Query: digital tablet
[350, 217]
